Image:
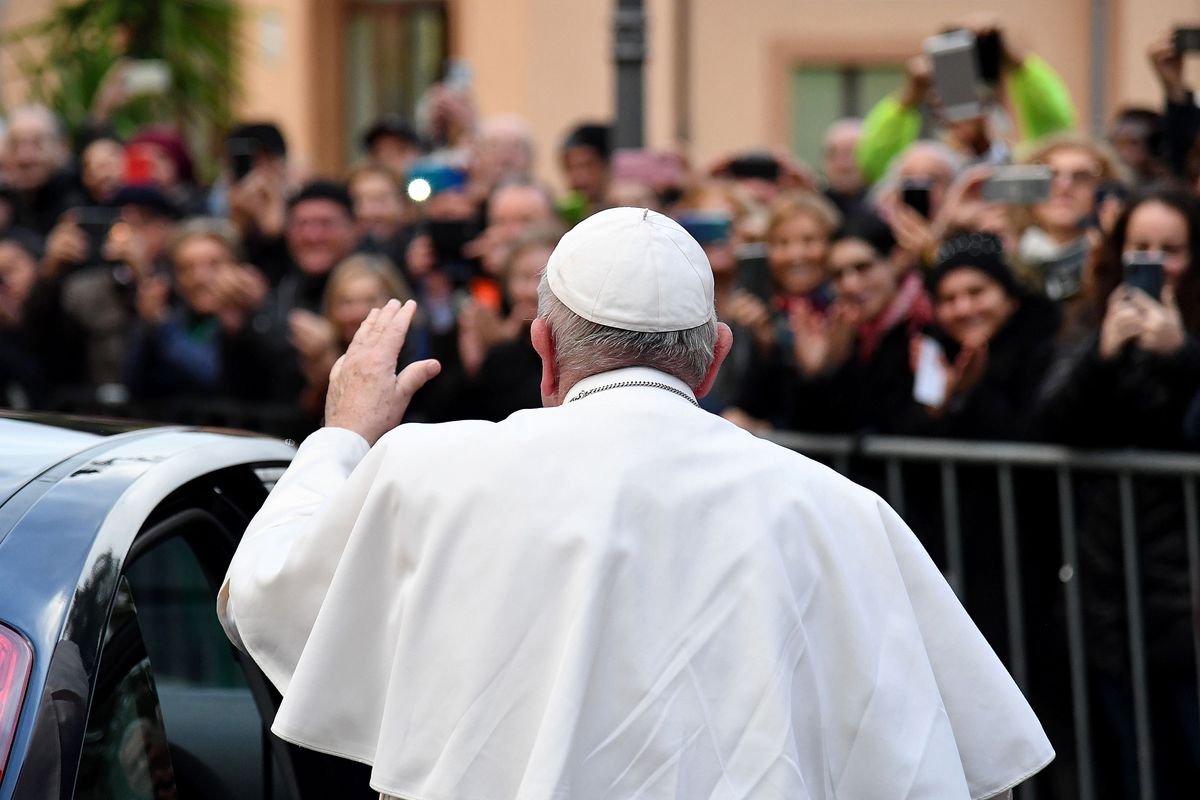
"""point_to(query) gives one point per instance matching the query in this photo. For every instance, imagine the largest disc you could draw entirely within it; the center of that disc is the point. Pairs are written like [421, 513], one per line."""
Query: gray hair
[584, 348]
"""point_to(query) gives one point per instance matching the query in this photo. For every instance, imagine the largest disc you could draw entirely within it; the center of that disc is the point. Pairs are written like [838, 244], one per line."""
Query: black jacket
[1135, 400]
[1000, 406]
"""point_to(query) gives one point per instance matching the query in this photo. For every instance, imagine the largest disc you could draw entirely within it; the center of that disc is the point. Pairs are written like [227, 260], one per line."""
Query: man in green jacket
[1029, 89]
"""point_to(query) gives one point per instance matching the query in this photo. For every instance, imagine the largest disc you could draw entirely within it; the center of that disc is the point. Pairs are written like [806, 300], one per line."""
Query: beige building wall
[551, 60]
[1134, 24]
[274, 40]
[553, 57]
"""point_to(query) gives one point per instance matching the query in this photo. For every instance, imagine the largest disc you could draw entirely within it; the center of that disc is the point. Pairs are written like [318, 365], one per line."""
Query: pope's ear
[721, 349]
[543, 343]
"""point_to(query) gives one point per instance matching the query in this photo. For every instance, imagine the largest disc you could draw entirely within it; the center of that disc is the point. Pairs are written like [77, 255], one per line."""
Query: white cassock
[623, 597]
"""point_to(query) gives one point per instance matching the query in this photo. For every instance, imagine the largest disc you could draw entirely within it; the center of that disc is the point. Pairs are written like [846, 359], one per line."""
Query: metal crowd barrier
[1063, 467]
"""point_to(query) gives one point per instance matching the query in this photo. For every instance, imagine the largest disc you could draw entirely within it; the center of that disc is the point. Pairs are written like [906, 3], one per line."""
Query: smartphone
[955, 74]
[1144, 270]
[96, 222]
[1019, 185]
[914, 192]
[1187, 40]
[427, 177]
[148, 76]
[753, 272]
[988, 50]
[929, 379]
[1113, 189]
[707, 227]
[241, 153]
[450, 236]
[1062, 276]
[755, 165]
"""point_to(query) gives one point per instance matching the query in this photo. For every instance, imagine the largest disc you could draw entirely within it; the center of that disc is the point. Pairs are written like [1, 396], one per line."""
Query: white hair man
[36, 153]
[618, 595]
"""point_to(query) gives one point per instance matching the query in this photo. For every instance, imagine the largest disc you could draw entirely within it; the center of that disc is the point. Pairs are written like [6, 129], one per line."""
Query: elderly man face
[511, 210]
[34, 147]
[925, 163]
[504, 149]
[514, 208]
[841, 167]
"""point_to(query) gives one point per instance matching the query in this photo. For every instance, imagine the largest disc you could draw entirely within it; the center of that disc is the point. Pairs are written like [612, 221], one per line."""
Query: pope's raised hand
[365, 393]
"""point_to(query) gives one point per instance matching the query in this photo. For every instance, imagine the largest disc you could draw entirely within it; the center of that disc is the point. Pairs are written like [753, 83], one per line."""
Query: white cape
[624, 597]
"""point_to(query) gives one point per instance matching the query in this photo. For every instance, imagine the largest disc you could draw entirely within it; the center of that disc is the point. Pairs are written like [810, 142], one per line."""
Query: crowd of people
[885, 291]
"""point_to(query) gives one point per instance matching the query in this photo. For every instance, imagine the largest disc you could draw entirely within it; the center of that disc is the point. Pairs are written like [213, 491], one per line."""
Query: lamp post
[629, 53]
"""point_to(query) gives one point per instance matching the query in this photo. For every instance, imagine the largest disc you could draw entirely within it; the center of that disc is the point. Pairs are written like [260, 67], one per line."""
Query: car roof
[33, 444]
[30, 448]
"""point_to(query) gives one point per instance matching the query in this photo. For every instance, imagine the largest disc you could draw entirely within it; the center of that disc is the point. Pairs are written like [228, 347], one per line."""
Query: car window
[125, 753]
[176, 610]
[213, 725]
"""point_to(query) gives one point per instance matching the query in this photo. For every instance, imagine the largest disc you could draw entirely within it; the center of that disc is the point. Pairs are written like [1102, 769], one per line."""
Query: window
[395, 50]
[823, 94]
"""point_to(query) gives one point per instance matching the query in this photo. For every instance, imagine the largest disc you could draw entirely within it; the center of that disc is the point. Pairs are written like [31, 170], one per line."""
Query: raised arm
[281, 572]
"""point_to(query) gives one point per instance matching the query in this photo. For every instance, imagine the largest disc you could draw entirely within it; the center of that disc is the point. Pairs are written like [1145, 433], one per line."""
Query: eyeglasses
[1075, 177]
[857, 268]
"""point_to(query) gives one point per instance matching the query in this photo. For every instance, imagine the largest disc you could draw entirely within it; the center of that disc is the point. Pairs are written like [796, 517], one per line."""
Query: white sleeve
[279, 575]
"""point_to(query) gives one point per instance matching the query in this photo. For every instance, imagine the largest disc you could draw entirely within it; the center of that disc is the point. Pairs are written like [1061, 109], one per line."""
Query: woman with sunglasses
[1060, 230]
[852, 362]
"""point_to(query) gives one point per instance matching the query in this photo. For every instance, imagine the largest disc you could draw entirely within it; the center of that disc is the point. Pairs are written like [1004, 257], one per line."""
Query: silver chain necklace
[623, 384]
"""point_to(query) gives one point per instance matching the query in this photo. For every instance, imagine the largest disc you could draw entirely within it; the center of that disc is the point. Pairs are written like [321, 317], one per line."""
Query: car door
[216, 705]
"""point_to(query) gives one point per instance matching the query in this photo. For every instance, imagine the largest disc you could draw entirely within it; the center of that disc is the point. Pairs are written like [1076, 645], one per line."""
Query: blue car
[116, 680]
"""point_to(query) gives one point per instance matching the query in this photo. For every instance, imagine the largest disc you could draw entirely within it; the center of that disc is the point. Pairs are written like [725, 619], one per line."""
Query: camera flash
[419, 190]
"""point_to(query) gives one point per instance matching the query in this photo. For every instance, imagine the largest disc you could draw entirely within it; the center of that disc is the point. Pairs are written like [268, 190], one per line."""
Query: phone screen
[753, 274]
[988, 50]
[241, 154]
[929, 380]
[956, 74]
[1144, 270]
[915, 195]
[1187, 40]
[1018, 185]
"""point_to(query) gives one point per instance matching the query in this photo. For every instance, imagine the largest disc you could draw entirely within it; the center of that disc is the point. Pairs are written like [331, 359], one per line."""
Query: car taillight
[16, 659]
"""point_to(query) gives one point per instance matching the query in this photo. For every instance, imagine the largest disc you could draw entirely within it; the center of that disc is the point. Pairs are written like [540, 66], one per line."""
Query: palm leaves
[65, 56]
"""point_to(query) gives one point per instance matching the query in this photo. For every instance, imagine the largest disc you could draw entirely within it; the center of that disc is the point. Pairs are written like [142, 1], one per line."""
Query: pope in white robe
[616, 596]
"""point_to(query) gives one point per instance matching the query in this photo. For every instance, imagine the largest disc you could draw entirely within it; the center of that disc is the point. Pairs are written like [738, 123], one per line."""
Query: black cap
[323, 190]
[391, 125]
[597, 137]
[25, 239]
[92, 132]
[977, 250]
[149, 197]
[266, 134]
[869, 228]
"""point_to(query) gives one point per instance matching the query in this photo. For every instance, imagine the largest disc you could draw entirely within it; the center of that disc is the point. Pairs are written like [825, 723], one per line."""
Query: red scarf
[911, 303]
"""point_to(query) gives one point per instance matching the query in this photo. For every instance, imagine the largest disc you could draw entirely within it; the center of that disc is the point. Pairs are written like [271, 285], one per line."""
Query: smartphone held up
[1143, 270]
[956, 77]
[1022, 184]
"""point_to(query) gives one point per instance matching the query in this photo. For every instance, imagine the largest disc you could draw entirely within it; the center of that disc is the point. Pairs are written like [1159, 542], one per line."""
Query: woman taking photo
[1128, 383]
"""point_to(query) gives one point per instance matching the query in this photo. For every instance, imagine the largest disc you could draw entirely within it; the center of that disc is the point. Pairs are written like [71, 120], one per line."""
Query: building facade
[720, 75]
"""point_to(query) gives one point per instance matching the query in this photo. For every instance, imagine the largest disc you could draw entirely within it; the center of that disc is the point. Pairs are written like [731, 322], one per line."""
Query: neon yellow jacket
[1038, 98]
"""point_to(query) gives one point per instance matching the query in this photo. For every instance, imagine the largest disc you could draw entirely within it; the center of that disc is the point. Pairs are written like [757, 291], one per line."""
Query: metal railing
[886, 462]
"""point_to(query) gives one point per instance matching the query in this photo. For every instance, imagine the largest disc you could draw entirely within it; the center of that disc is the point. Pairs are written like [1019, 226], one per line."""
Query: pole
[629, 52]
